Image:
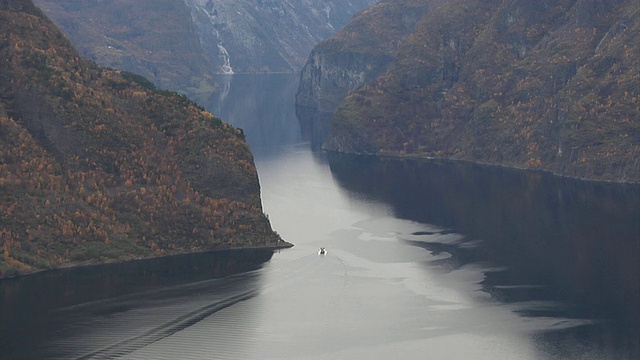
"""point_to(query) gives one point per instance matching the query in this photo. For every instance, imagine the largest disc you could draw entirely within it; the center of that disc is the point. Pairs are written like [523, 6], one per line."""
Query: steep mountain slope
[97, 165]
[267, 35]
[552, 85]
[354, 56]
[152, 38]
[180, 44]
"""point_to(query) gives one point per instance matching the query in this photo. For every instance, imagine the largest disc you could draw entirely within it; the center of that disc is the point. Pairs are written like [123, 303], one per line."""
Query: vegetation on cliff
[362, 51]
[97, 165]
[551, 86]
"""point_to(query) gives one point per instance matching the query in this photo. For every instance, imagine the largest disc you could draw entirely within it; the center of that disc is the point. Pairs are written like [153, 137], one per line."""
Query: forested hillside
[358, 54]
[541, 85]
[98, 165]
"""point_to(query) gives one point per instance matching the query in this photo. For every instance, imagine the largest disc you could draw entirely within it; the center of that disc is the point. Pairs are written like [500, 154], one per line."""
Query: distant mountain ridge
[153, 38]
[180, 44]
[98, 165]
[267, 35]
[548, 85]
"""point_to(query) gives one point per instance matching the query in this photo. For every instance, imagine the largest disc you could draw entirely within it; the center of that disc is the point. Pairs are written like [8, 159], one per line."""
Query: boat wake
[128, 346]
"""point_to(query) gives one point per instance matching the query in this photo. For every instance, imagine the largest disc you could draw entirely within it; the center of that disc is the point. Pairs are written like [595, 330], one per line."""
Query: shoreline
[476, 162]
[132, 261]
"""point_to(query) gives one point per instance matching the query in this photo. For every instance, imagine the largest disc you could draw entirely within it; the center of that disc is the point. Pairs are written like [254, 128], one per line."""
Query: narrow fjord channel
[426, 260]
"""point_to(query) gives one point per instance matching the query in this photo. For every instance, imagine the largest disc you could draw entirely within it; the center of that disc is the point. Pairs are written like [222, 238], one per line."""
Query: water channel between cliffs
[426, 259]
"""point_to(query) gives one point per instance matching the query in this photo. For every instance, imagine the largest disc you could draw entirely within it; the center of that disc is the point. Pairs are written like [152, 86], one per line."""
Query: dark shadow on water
[29, 305]
[598, 341]
[559, 240]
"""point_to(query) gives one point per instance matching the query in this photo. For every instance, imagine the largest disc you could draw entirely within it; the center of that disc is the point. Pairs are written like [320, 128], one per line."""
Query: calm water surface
[426, 260]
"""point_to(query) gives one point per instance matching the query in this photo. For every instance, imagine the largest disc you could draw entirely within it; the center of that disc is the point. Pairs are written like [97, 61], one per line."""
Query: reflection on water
[427, 259]
[559, 240]
[60, 309]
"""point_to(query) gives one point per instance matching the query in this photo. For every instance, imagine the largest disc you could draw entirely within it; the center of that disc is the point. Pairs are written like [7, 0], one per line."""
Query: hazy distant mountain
[267, 35]
[153, 38]
[550, 85]
[97, 165]
[179, 44]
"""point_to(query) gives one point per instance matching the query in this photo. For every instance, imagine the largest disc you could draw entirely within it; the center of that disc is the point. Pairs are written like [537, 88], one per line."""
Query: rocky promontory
[98, 165]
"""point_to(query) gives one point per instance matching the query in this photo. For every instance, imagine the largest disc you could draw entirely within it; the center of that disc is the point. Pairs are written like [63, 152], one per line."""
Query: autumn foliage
[551, 86]
[97, 165]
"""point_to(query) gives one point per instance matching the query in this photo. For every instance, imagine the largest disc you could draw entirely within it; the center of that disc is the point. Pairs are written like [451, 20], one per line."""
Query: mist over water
[261, 105]
[426, 259]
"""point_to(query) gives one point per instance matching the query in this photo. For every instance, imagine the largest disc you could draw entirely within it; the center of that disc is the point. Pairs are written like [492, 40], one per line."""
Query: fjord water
[426, 260]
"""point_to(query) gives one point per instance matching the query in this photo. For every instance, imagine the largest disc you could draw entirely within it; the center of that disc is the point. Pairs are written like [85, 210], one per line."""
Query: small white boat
[322, 251]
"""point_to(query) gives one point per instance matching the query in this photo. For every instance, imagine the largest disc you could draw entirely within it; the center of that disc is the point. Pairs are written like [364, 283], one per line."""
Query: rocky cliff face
[552, 86]
[356, 55]
[180, 44]
[267, 35]
[97, 165]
